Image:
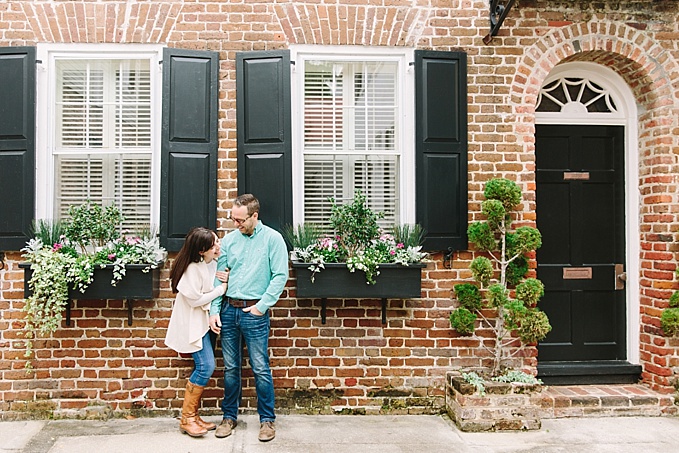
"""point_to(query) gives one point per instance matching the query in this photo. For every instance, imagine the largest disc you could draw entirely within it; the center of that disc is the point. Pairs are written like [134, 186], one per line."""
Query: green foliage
[301, 236]
[482, 269]
[358, 241]
[63, 262]
[92, 225]
[49, 286]
[355, 223]
[517, 376]
[514, 311]
[525, 239]
[669, 321]
[475, 380]
[534, 326]
[48, 231]
[495, 213]
[516, 270]
[504, 190]
[507, 247]
[481, 235]
[463, 321]
[530, 291]
[468, 296]
[410, 235]
[497, 295]
[674, 300]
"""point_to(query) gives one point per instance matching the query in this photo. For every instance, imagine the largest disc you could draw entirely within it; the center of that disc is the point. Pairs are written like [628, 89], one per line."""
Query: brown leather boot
[189, 425]
[207, 425]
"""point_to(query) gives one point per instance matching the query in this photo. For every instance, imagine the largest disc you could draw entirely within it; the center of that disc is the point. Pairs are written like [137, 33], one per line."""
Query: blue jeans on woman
[203, 362]
[236, 326]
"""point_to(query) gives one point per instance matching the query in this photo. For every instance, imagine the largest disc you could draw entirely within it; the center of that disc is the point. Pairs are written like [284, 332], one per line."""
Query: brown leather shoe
[267, 431]
[225, 428]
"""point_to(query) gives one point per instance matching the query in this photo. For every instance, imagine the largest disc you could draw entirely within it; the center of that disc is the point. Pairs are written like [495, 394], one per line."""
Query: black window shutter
[189, 142]
[441, 148]
[17, 145]
[264, 128]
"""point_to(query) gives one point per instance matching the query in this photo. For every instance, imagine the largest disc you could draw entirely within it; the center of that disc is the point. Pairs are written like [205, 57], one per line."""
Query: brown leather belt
[240, 303]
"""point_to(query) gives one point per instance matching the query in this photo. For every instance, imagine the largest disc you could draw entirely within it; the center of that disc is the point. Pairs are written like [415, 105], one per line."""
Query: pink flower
[111, 256]
[399, 245]
[392, 252]
[132, 241]
[57, 246]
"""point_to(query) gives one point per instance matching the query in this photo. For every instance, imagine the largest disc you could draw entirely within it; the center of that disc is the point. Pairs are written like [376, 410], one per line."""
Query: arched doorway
[585, 161]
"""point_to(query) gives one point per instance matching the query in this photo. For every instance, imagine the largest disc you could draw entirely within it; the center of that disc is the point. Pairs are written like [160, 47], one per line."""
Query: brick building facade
[353, 362]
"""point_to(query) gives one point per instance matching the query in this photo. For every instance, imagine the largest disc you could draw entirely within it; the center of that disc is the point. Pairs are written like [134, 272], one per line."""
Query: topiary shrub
[504, 266]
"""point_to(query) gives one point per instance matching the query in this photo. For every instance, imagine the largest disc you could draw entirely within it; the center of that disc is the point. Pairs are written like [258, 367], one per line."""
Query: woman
[192, 278]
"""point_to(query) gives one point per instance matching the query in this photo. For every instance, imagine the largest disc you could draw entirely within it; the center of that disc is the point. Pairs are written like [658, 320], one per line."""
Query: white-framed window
[98, 123]
[352, 129]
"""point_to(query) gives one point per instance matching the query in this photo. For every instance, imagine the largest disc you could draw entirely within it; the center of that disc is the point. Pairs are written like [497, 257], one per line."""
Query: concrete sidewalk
[342, 434]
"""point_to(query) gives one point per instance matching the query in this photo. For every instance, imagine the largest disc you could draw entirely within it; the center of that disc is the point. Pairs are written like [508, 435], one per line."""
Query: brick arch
[109, 22]
[352, 24]
[653, 76]
[648, 69]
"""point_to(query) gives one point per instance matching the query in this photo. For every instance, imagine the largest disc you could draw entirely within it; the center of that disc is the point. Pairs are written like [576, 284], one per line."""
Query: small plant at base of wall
[669, 321]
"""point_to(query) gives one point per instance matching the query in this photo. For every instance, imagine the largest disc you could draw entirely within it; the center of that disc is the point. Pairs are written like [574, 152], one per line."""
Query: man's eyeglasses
[239, 221]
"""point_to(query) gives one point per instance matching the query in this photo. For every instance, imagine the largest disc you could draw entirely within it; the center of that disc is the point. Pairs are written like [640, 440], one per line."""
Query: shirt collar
[257, 229]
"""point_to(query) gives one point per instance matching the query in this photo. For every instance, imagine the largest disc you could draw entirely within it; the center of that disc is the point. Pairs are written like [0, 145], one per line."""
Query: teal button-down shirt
[258, 267]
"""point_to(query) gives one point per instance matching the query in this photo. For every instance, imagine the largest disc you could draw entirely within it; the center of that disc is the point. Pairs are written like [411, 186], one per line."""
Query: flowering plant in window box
[63, 259]
[358, 243]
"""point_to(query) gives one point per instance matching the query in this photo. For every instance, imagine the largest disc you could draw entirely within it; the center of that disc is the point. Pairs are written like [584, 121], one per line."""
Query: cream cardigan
[190, 314]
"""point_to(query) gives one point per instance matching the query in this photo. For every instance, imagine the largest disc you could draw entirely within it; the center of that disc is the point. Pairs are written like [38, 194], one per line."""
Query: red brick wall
[353, 362]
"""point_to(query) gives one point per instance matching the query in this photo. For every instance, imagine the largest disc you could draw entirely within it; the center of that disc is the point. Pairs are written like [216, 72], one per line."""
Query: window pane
[323, 106]
[351, 112]
[133, 106]
[103, 136]
[80, 106]
[124, 180]
[103, 104]
[336, 176]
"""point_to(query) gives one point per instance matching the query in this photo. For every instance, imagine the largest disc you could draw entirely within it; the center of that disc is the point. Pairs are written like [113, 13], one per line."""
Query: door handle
[620, 276]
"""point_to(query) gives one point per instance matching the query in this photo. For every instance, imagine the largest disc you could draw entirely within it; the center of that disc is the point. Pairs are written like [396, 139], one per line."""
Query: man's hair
[249, 201]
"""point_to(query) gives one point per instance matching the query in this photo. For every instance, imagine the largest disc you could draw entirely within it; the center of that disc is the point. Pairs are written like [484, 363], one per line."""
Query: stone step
[601, 400]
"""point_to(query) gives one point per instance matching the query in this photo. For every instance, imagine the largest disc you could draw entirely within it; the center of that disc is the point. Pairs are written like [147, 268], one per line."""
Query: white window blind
[350, 129]
[103, 136]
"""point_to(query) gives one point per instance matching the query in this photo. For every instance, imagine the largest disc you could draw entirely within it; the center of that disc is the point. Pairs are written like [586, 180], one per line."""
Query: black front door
[580, 213]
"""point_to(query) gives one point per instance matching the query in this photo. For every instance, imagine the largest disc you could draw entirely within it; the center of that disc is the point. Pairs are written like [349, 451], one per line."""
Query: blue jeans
[236, 326]
[203, 363]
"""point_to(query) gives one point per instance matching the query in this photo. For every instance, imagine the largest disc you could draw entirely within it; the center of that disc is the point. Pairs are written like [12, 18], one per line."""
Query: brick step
[601, 400]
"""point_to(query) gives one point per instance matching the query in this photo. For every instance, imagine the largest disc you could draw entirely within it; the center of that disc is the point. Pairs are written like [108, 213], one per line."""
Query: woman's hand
[223, 276]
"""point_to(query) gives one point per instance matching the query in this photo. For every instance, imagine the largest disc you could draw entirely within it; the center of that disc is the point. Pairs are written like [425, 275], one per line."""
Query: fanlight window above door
[569, 95]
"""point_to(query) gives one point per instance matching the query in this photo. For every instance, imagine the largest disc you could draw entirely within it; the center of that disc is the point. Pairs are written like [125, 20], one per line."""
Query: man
[258, 261]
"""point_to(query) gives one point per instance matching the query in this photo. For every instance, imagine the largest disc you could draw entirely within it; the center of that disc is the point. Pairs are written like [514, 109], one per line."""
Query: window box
[335, 281]
[395, 281]
[136, 284]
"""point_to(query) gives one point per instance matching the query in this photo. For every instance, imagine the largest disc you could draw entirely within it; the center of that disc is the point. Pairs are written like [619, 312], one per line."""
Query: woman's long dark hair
[199, 240]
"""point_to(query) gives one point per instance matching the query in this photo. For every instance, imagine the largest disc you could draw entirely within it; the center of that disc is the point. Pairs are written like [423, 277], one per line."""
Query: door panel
[580, 213]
